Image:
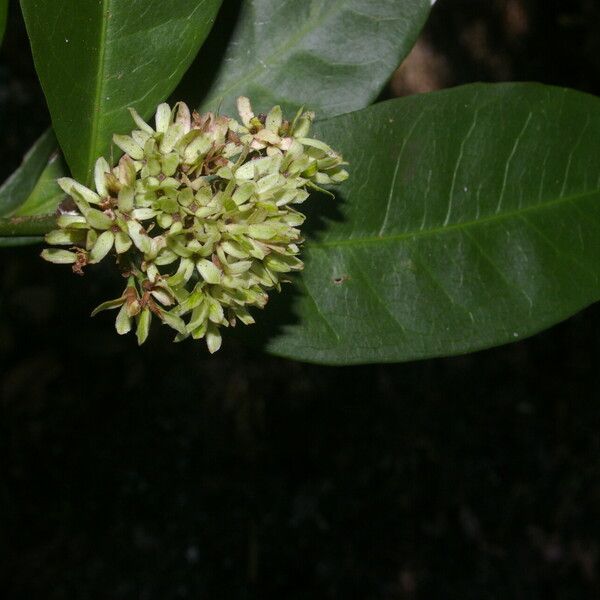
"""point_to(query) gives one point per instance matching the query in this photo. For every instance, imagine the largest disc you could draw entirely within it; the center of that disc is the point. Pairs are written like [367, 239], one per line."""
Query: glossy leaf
[46, 195]
[19, 186]
[96, 58]
[333, 56]
[471, 219]
[36, 215]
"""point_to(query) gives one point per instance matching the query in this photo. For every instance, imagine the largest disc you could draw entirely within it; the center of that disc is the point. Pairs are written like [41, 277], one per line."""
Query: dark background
[160, 473]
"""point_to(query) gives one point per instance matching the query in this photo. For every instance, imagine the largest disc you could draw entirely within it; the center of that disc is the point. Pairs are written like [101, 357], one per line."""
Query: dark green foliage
[470, 218]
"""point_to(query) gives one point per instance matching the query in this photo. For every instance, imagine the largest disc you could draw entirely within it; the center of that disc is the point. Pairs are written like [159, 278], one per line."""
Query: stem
[13, 242]
[27, 227]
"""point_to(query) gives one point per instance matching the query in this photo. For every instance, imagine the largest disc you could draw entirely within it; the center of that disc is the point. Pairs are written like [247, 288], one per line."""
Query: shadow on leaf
[320, 210]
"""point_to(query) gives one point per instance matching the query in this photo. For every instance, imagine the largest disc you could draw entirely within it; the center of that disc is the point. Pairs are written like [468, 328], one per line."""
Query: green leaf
[37, 214]
[46, 195]
[25, 227]
[18, 187]
[333, 56]
[471, 219]
[96, 58]
[3, 15]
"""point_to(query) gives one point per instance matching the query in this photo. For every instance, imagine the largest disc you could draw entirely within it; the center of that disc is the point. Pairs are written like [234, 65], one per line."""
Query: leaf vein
[454, 227]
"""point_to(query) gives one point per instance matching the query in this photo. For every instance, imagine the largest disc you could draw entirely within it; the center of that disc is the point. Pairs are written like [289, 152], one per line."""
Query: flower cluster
[198, 214]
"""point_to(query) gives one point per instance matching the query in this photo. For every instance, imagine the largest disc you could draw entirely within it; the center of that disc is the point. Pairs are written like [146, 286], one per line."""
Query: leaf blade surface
[471, 219]
[333, 56]
[95, 59]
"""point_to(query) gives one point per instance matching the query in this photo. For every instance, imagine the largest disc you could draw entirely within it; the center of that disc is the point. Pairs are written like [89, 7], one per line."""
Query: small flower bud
[198, 214]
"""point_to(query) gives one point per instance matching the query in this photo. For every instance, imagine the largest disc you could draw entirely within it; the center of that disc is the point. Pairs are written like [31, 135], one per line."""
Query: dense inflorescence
[199, 214]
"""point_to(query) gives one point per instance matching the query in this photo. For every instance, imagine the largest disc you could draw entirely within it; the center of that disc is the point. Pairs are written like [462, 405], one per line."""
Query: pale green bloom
[199, 214]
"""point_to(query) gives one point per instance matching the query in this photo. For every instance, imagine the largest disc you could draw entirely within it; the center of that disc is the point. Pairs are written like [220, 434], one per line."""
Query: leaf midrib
[278, 52]
[455, 226]
[98, 89]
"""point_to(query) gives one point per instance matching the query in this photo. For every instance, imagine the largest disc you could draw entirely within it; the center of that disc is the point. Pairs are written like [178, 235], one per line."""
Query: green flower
[198, 215]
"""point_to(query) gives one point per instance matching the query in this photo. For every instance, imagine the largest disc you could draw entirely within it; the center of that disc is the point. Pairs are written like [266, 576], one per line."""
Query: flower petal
[102, 246]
